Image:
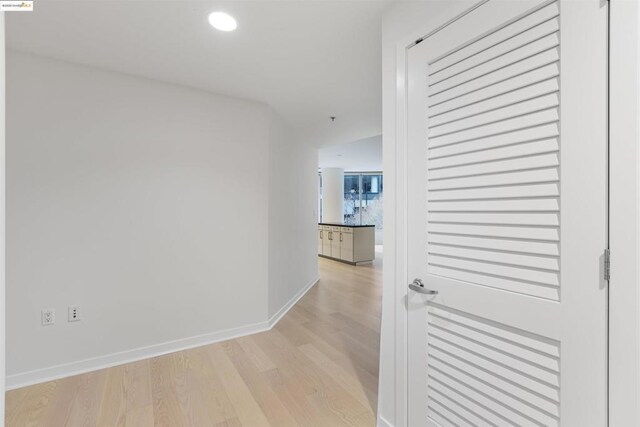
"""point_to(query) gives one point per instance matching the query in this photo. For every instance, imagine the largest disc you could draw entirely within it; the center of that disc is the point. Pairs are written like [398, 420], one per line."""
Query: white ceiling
[307, 59]
[364, 155]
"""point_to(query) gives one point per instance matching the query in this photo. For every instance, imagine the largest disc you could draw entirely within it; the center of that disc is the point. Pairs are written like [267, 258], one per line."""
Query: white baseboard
[37, 376]
[273, 320]
[384, 423]
[93, 364]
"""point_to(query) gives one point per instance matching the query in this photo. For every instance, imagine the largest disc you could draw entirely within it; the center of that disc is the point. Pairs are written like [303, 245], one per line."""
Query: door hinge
[607, 265]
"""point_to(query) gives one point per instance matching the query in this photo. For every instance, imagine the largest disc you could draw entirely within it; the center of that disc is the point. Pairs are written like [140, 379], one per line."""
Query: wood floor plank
[339, 374]
[36, 405]
[208, 389]
[140, 416]
[359, 353]
[248, 411]
[320, 388]
[87, 396]
[138, 385]
[272, 407]
[233, 422]
[166, 408]
[291, 393]
[339, 356]
[317, 367]
[188, 390]
[14, 400]
[259, 358]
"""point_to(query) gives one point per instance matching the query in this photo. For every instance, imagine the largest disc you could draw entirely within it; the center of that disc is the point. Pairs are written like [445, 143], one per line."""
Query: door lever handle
[418, 286]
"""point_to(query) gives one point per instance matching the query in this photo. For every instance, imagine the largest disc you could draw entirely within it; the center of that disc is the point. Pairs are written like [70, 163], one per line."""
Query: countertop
[334, 224]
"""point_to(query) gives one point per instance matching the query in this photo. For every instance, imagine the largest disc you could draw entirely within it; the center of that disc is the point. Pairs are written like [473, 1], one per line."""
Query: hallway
[317, 367]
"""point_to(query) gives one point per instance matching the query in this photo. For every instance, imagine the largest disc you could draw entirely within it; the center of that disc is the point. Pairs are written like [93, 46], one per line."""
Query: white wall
[145, 203]
[293, 216]
[363, 155]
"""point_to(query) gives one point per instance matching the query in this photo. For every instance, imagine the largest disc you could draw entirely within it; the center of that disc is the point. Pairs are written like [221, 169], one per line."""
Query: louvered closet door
[506, 217]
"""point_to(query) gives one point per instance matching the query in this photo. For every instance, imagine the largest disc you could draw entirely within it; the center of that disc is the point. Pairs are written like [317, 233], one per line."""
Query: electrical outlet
[48, 316]
[74, 313]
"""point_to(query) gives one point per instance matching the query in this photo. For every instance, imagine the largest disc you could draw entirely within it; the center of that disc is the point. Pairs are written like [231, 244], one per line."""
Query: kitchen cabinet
[351, 244]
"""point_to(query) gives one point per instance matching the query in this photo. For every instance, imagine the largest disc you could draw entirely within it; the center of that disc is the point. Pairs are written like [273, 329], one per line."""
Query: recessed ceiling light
[222, 21]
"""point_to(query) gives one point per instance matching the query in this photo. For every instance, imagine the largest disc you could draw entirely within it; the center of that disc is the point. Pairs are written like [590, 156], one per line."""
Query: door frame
[3, 233]
[624, 214]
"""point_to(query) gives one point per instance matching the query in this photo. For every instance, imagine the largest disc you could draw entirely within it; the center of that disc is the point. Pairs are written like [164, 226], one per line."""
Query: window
[371, 201]
[351, 199]
[363, 199]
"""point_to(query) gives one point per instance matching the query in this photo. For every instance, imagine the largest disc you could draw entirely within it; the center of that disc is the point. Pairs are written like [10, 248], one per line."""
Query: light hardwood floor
[317, 367]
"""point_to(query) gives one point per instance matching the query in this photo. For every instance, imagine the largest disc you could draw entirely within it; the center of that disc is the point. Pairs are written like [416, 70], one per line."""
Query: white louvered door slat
[443, 104]
[532, 91]
[506, 217]
[502, 35]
